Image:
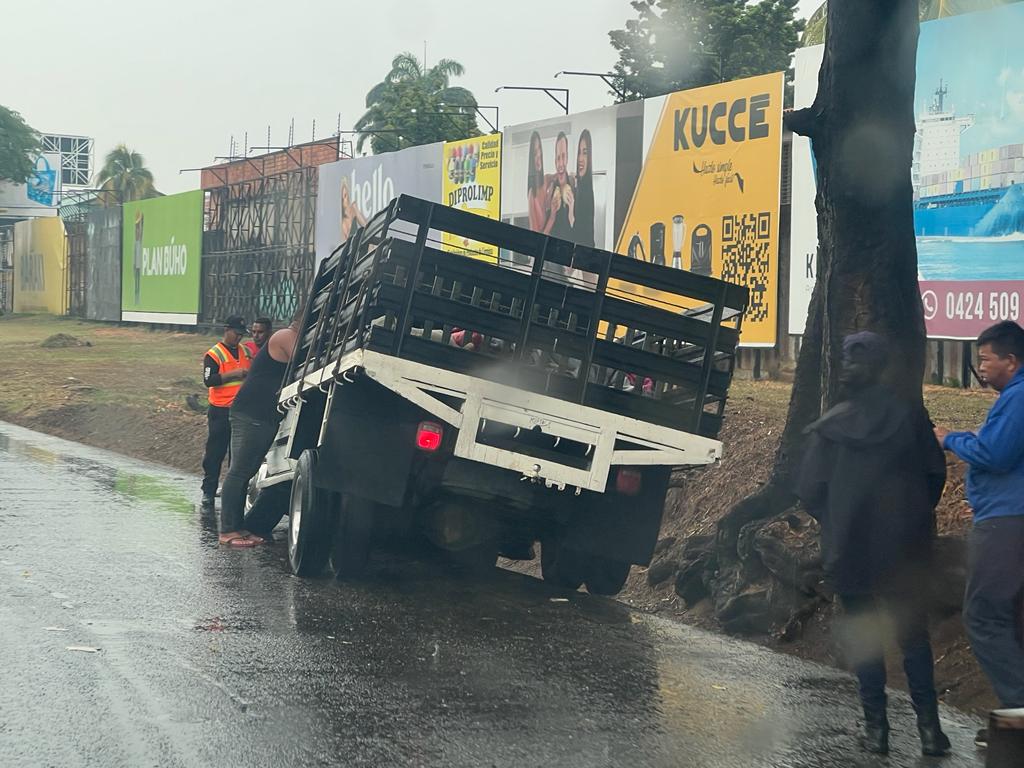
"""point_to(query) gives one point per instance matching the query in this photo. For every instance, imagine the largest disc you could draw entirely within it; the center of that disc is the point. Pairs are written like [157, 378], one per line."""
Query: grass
[129, 366]
[153, 369]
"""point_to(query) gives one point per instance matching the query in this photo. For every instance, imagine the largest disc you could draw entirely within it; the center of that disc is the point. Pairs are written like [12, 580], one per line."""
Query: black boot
[934, 742]
[876, 729]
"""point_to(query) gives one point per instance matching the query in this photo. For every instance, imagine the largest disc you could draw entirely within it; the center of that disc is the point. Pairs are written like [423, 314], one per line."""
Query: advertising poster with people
[161, 253]
[472, 182]
[39, 266]
[559, 175]
[352, 191]
[968, 174]
[689, 180]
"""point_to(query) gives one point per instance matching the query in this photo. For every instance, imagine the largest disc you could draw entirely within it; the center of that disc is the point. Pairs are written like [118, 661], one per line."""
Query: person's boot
[934, 742]
[876, 729]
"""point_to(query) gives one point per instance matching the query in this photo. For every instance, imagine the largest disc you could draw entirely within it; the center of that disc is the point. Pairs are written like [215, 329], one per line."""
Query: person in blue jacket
[995, 490]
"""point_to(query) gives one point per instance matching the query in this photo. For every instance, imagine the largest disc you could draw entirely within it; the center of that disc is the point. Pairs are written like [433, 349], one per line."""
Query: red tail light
[629, 482]
[429, 436]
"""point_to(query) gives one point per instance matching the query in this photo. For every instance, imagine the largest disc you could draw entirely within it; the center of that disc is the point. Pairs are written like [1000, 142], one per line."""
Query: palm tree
[414, 105]
[124, 177]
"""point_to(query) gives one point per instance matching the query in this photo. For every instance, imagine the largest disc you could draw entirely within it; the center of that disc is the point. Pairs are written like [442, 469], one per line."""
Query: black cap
[236, 323]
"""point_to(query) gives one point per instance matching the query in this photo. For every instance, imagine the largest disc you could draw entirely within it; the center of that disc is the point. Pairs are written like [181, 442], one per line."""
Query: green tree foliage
[124, 177]
[673, 45]
[19, 147]
[413, 105]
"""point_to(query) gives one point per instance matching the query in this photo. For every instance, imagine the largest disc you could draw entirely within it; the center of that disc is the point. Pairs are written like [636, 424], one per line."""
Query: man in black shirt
[254, 422]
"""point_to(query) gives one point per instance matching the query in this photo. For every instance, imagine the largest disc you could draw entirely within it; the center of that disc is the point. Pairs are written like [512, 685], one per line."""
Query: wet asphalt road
[222, 658]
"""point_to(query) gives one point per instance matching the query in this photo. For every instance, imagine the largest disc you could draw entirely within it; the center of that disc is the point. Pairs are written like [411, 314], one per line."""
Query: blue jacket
[995, 481]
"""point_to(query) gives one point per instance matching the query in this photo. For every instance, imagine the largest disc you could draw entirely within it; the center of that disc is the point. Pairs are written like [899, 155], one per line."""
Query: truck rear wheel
[559, 565]
[311, 521]
[604, 576]
[350, 549]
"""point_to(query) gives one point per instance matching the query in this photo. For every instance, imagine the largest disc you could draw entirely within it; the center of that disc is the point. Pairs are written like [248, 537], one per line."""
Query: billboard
[40, 266]
[689, 180]
[472, 182]
[40, 196]
[103, 264]
[968, 174]
[160, 259]
[351, 191]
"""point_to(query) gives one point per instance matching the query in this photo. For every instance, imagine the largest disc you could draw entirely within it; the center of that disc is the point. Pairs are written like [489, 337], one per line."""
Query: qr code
[746, 258]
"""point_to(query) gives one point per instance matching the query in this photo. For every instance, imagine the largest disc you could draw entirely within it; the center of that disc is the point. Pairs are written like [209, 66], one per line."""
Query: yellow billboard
[708, 196]
[39, 266]
[472, 182]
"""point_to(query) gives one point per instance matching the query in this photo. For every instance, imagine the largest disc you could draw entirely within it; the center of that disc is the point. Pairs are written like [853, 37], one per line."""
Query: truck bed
[574, 323]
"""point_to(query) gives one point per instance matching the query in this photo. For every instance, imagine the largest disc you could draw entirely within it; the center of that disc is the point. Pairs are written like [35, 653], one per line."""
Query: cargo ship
[978, 196]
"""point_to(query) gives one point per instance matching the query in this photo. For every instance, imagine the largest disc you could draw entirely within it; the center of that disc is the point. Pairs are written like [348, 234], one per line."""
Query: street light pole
[606, 76]
[549, 91]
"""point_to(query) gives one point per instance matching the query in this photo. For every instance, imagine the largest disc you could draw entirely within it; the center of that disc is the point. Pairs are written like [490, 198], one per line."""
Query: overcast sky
[175, 80]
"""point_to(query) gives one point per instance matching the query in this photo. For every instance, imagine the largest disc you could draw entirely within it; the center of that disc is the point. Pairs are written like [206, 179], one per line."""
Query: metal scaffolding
[6, 268]
[258, 250]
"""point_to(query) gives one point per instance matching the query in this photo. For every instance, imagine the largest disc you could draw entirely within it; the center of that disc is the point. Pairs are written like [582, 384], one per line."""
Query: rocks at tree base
[694, 565]
[789, 547]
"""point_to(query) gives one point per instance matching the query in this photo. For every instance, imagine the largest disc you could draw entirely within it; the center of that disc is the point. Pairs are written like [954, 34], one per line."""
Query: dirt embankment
[140, 393]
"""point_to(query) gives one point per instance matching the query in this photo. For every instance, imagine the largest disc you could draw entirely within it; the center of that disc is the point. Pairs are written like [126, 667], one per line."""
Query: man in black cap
[872, 475]
[224, 368]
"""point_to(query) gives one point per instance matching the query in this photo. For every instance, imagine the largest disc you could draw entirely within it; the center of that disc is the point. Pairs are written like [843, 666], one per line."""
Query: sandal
[236, 539]
[256, 539]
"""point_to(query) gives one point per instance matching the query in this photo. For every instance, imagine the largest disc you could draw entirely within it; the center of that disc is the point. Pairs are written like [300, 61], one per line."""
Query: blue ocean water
[967, 258]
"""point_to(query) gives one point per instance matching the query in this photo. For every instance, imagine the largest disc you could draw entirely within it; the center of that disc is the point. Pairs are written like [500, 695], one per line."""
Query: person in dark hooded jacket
[872, 475]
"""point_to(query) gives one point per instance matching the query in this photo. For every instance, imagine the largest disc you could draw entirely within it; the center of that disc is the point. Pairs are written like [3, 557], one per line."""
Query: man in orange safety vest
[224, 368]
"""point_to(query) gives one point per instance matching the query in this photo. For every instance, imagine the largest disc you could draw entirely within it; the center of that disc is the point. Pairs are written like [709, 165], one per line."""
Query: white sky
[175, 79]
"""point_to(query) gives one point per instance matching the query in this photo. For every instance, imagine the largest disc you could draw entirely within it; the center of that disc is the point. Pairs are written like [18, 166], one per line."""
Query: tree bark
[862, 128]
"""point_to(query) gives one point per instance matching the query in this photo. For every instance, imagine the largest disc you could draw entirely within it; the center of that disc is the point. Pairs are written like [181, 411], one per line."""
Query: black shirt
[257, 397]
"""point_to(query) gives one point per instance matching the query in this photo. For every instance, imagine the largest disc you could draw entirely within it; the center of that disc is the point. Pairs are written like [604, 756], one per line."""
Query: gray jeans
[250, 441]
[992, 605]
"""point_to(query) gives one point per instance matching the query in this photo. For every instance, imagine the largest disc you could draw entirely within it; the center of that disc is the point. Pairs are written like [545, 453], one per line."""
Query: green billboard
[161, 251]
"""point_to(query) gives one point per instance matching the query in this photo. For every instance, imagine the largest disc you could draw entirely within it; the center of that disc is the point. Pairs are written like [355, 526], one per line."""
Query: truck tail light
[628, 481]
[429, 436]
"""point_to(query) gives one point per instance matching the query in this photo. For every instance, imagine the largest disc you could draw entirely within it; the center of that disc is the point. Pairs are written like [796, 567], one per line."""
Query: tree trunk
[862, 127]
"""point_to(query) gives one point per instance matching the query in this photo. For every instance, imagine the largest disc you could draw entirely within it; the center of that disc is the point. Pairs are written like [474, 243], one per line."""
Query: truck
[489, 388]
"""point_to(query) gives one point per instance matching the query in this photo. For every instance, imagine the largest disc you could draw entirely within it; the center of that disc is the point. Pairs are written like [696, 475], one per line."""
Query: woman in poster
[583, 224]
[350, 213]
[537, 186]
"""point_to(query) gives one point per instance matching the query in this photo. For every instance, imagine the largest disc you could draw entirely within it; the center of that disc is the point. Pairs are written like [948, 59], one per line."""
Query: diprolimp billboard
[161, 259]
[350, 192]
[472, 182]
[968, 174]
[689, 180]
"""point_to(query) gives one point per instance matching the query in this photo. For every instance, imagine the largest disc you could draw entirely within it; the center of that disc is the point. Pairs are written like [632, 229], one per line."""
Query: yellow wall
[39, 266]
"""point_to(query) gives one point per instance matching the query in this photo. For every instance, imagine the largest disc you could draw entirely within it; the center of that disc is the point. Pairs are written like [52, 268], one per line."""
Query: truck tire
[558, 565]
[311, 519]
[350, 549]
[604, 576]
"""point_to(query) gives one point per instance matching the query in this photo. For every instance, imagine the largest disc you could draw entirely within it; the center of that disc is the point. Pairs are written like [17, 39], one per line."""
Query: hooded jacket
[872, 475]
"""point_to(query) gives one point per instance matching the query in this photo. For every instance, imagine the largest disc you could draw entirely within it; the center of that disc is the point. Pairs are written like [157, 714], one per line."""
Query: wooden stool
[1005, 739]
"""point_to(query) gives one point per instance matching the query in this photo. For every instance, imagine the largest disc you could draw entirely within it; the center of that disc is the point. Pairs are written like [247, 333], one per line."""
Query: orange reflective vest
[224, 395]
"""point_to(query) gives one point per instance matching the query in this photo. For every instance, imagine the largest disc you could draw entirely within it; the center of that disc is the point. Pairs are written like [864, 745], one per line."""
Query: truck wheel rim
[295, 520]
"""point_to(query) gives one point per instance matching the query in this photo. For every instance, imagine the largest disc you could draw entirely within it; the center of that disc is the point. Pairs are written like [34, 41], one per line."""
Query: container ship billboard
[968, 174]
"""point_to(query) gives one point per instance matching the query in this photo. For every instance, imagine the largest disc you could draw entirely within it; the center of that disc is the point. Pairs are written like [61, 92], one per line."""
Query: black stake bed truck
[508, 389]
